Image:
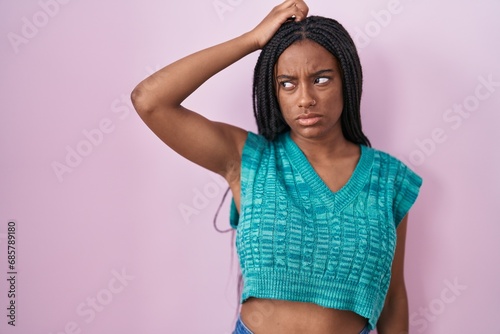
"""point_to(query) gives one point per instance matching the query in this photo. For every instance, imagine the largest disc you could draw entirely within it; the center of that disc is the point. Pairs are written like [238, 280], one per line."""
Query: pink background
[67, 69]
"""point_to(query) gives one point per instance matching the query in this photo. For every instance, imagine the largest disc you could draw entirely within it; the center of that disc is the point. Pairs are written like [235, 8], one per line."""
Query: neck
[330, 147]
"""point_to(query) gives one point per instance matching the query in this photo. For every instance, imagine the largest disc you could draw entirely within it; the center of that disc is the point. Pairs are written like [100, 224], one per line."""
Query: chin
[312, 132]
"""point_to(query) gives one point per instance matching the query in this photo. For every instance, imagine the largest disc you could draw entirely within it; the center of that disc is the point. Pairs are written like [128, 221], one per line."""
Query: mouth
[308, 119]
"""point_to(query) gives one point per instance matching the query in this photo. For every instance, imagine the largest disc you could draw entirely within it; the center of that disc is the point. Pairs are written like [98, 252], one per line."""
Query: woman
[317, 211]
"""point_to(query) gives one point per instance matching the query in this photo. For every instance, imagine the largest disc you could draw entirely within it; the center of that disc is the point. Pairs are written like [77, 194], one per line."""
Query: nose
[306, 98]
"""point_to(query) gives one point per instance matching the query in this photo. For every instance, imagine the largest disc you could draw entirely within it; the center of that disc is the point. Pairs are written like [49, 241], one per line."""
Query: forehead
[305, 55]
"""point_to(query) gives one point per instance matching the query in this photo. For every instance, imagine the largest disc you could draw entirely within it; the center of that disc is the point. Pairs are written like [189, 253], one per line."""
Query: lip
[308, 119]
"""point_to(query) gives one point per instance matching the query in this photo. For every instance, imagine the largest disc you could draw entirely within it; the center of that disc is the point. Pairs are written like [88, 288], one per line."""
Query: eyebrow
[315, 74]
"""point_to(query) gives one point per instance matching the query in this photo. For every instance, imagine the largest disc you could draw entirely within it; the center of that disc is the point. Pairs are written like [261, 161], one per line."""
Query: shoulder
[254, 139]
[256, 143]
[383, 157]
[255, 150]
[387, 160]
[393, 169]
[400, 180]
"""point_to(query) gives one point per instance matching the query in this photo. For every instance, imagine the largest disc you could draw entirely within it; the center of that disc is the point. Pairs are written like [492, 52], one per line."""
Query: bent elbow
[140, 101]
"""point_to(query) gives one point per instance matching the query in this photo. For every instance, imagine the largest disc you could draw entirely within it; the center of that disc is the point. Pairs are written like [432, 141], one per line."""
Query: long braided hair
[331, 35]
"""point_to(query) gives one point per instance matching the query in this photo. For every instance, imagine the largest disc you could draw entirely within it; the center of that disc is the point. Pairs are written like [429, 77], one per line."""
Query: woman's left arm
[394, 317]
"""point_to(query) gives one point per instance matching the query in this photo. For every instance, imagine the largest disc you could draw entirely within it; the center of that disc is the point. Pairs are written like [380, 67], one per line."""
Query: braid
[333, 37]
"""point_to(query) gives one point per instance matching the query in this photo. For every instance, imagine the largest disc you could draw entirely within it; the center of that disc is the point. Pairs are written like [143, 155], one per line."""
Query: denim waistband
[241, 328]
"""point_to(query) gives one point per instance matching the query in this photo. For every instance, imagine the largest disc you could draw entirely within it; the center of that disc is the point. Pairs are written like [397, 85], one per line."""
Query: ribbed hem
[341, 295]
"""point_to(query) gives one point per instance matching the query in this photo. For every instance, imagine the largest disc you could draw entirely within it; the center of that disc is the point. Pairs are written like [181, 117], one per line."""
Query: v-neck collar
[337, 200]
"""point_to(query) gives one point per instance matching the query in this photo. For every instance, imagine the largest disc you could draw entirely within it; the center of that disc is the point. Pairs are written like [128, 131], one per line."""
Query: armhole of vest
[406, 189]
[251, 150]
[253, 144]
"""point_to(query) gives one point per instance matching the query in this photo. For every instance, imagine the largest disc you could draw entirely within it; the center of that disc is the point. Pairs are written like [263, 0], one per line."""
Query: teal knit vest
[299, 241]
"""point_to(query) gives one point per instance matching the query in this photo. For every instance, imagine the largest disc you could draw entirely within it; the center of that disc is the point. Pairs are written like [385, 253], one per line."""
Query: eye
[287, 85]
[321, 80]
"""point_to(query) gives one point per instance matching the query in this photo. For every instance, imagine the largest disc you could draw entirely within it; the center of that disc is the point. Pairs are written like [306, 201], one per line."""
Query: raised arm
[213, 145]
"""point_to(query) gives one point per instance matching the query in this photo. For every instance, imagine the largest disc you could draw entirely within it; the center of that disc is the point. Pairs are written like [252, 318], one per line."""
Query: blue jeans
[242, 329]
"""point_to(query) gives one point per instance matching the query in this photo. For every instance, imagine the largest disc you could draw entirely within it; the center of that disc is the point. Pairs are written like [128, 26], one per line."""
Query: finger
[298, 13]
[292, 10]
[297, 10]
[303, 8]
[290, 13]
[285, 5]
[288, 3]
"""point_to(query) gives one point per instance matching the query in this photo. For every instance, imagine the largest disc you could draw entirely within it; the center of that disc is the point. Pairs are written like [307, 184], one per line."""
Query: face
[309, 91]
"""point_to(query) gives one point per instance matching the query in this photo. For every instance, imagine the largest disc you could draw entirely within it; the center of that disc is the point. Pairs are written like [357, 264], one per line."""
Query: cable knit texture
[299, 241]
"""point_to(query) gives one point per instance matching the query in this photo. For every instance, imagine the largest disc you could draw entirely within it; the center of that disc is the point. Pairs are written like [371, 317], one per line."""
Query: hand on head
[289, 10]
